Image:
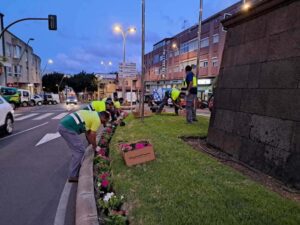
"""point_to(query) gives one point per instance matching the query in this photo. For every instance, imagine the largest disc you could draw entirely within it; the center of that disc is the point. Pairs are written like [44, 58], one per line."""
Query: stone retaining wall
[257, 101]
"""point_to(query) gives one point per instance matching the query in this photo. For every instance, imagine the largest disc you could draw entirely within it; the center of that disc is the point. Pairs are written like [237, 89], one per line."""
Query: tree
[50, 82]
[83, 82]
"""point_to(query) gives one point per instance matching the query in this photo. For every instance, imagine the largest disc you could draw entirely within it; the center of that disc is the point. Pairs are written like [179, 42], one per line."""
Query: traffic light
[52, 22]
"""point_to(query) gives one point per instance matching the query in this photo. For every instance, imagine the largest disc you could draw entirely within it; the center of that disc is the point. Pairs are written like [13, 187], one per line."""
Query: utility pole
[143, 60]
[3, 47]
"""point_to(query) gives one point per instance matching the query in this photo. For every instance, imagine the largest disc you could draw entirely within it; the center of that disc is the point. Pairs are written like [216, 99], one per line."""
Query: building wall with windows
[22, 66]
[165, 64]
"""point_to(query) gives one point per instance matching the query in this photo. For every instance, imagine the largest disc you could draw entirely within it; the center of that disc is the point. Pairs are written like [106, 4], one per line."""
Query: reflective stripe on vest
[90, 107]
[194, 81]
[78, 119]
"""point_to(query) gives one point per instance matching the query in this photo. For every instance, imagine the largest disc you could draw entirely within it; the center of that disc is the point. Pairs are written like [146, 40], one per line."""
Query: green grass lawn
[184, 186]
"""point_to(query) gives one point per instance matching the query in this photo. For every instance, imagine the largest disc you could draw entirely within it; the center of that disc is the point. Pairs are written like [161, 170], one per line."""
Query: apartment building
[165, 64]
[21, 68]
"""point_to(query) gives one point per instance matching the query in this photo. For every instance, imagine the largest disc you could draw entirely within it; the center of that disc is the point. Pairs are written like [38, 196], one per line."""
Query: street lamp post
[50, 61]
[131, 30]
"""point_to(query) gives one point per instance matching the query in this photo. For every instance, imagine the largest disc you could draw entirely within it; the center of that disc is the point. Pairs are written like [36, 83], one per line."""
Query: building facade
[165, 64]
[21, 68]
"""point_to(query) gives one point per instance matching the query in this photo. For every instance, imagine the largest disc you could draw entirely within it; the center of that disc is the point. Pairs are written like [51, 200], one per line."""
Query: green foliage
[185, 186]
[80, 82]
[111, 201]
[51, 80]
[115, 220]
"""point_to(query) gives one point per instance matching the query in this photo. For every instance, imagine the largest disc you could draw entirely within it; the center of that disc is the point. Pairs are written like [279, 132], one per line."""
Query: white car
[6, 116]
[37, 100]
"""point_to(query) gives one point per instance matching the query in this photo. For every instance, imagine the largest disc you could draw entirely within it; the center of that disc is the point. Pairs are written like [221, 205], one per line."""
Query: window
[184, 48]
[156, 70]
[25, 94]
[215, 38]
[9, 70]
[156, 59]
[204, 64]
[18, 70]
[1, 102]
[215, 62]
[204, 43]
[161, 57]
[8, 91]
[9, 50]
[26, 56]
[17, 51]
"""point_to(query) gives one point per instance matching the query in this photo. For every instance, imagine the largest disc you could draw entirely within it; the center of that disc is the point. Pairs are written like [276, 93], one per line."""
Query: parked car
[6, 116]
[37, 100]
[11, 95]
[51, 99]
[24, 97]
[71, 100]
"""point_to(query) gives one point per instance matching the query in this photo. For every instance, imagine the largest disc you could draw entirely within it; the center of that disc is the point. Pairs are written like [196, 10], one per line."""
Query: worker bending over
[175, 95]
[70, 128]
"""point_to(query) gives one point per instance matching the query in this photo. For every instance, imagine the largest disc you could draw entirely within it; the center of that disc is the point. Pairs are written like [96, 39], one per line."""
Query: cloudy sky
[85, 34]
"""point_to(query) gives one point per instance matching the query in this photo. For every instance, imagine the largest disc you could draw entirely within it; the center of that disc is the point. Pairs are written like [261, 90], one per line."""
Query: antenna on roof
[184, 24]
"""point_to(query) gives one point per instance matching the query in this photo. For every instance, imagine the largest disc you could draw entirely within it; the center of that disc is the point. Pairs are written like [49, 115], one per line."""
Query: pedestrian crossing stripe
[26, 117]
[43, 116]
[60, 116]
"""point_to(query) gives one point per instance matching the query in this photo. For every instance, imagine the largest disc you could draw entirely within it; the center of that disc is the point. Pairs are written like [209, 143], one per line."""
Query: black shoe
[73, 179]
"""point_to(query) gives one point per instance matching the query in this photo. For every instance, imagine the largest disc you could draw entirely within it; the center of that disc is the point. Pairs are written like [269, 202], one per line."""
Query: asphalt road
[32, 178]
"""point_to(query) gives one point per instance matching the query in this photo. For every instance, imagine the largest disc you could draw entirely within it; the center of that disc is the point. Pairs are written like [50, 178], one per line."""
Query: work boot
[73, 179]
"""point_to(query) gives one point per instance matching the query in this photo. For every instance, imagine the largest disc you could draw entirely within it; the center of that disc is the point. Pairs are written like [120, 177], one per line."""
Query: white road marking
[17, 114]
[26, 117]
[43, 116]
[48, 137]
[62, 205]
[21, 132]
[60, 116]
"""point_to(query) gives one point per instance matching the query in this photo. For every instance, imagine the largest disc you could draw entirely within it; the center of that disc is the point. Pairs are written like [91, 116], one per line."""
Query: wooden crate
[139, 156]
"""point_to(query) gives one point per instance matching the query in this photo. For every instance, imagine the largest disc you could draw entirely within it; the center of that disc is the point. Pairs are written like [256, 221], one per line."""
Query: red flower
[105, 183]
[104, 175]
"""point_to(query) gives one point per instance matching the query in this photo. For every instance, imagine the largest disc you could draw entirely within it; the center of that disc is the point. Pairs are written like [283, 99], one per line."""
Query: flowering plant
[104, 181]
[134, 146]
[111, 201]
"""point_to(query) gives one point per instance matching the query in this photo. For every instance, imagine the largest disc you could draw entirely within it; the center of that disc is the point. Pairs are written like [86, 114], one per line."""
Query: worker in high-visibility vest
[100, 106]
[191, 94]
[175, 95]
[117, 105]
[70, 128]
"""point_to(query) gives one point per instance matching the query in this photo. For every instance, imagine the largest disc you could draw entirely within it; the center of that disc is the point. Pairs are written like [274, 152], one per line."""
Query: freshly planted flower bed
[109, 203]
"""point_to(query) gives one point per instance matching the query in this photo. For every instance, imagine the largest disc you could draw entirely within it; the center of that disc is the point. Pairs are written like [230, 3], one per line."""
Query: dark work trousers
[165, 102]
[190, 107]
[77, 149]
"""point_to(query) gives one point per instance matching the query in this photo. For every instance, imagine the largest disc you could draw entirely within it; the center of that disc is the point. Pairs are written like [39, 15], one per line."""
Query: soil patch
[200, 144]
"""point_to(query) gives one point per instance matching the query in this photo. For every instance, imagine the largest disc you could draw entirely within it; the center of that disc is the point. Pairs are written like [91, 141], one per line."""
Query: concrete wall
[257, 101]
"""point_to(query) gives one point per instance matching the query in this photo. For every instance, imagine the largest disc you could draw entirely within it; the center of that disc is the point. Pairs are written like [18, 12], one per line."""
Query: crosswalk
[40, 116]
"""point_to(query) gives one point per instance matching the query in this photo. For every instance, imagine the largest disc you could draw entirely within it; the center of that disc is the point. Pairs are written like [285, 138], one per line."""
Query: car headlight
[68, 100]
[75, 100]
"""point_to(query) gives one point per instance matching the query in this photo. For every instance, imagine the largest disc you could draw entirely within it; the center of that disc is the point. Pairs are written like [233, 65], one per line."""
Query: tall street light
[130, 30]
[50, 61]
[246, 5]
[108, 64]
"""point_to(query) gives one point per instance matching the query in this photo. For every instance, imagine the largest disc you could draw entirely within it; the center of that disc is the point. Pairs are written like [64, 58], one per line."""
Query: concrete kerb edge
[86, 209]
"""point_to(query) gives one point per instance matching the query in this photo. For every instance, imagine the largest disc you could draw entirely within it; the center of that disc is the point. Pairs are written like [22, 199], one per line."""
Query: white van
[24, 97]
[6, 116]
[51, 98]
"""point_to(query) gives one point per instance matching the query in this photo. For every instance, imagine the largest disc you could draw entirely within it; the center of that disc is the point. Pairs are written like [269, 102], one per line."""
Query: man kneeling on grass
[70, 128]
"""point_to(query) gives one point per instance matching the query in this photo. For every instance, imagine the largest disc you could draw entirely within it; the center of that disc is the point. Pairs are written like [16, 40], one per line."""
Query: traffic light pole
[51, 18]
